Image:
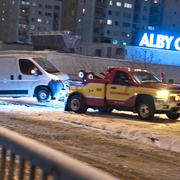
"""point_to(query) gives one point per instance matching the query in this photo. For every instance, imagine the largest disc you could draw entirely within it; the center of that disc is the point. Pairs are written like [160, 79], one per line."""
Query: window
[48, 6]
[108, 32]
[27, 67]
[109, 12]
[109, 22]
[110, 3]
[117, 13]
[121, 78]
[39, 20]
[118, 4]
[127, 15]
[116, 23]
[144, 18]
[98, 52]
[56, 7]
[119, 52]
[145, 8]
[152, 28]
[127, 5]
[125, 24]
[46, 65]
[48, 14]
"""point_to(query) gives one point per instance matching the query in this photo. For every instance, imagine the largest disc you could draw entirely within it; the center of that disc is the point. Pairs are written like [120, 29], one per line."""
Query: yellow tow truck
[135, 90]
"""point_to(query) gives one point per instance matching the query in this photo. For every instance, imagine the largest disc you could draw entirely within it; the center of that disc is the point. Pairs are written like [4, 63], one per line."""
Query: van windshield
[46, 65]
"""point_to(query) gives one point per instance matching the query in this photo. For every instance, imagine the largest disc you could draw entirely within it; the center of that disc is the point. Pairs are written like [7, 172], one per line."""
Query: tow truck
[136, 90]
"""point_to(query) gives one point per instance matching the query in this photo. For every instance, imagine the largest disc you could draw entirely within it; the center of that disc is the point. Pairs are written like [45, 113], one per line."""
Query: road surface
[100, 148]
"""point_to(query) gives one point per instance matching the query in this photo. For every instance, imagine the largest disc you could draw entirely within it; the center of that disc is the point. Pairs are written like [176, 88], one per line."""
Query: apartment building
[20, 18]
[9, 20]
[106, 26]
[171, 16]
[148, 17]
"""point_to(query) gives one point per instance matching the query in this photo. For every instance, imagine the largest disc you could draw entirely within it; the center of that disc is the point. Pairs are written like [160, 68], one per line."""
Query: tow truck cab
[125, 89]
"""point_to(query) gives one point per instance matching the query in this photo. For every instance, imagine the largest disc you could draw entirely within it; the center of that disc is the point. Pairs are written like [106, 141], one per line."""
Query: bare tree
[142, 58]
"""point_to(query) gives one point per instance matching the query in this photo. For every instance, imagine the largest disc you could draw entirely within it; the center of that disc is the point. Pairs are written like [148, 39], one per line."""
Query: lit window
[110, 3]
[109, 22]
[25, 3]
[39, 20]
[48, 22]
[156, 1]
[33, 4]
[118, 4]
[152, 28]
[3, 19]
[100, 21]
[115, 41]
[32, 27]
[83, 11]
[127, 5]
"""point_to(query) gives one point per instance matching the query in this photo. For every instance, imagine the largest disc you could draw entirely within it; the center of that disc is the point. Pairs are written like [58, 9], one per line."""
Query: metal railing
[22, 158]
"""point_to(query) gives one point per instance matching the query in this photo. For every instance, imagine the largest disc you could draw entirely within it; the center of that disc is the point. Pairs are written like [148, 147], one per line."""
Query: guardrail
[22, 158]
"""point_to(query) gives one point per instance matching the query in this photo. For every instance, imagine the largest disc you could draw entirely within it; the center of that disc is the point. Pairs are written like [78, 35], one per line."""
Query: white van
[22, 76]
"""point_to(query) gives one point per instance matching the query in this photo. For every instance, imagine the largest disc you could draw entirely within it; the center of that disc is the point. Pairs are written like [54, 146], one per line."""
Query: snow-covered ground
[160, 132]
[25, 105]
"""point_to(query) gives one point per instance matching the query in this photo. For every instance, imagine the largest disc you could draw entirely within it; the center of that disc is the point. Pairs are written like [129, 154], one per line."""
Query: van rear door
[9, 85]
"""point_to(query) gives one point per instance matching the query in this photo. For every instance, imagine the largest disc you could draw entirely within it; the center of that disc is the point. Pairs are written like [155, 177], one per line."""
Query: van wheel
[43, 94]
[172, 115]
[76, 104]
[146, 110]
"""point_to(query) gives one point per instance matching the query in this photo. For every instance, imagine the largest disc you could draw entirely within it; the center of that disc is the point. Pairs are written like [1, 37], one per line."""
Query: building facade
[148, 17]
[112, 23]
[171, 16]
[20, 18]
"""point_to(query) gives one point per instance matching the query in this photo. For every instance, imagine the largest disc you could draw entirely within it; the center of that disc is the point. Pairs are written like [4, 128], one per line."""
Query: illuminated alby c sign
[160, 41]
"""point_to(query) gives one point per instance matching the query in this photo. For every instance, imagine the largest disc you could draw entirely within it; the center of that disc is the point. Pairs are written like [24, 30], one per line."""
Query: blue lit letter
[144, 40]
[168, 41]
[160, 43]
[151, 43]
[176, 44]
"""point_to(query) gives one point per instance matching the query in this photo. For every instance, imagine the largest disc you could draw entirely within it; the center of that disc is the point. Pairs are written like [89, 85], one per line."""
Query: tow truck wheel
[43, 94]
[172, 115]
[76, 104]
[105, 109]
[146, 110]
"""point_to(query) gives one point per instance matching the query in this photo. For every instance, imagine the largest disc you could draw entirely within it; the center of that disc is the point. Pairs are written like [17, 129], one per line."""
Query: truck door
[120, 92]
[29, 75]
[8, 77]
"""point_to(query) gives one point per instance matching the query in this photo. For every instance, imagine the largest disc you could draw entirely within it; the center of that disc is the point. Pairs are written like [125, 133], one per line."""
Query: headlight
[162, 94]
